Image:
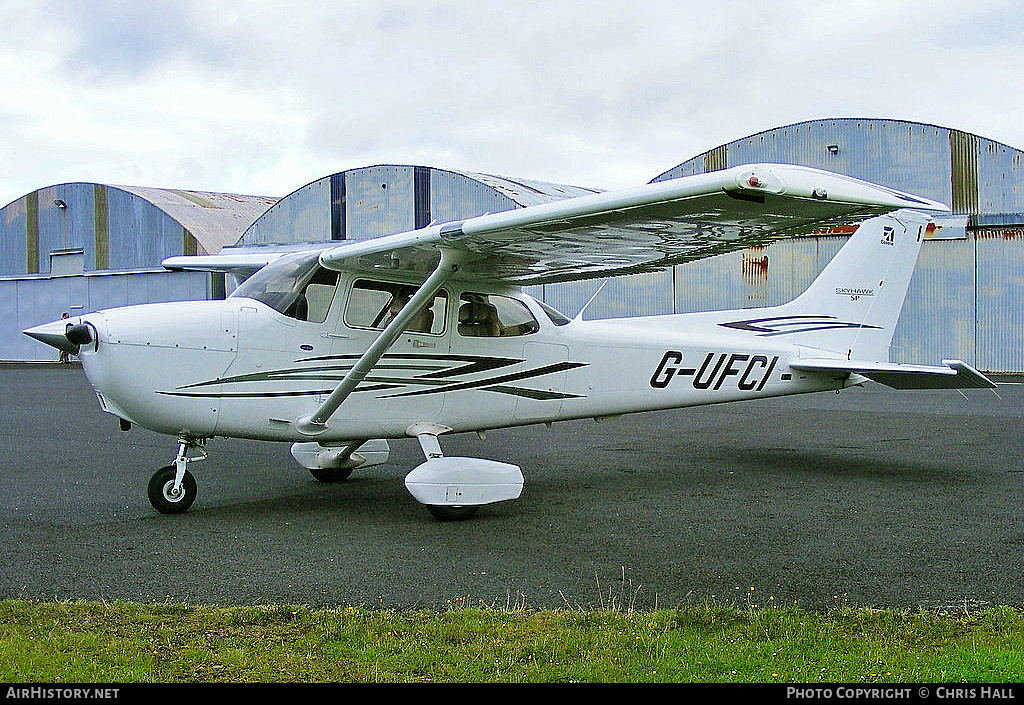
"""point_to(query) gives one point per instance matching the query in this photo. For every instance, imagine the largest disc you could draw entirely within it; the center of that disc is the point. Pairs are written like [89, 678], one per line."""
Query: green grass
[83, 642]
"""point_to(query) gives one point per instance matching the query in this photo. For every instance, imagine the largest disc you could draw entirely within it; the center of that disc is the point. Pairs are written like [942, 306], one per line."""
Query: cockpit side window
[493, 315]
[319, 294]
[557, 317]
[294, 285]
[374, 304]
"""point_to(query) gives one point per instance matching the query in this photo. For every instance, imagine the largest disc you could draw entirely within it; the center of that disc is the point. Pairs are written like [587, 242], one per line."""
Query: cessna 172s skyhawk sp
[338, 348]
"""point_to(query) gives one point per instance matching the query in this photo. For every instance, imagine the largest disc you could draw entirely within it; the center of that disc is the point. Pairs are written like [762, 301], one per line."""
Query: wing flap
[953, 375]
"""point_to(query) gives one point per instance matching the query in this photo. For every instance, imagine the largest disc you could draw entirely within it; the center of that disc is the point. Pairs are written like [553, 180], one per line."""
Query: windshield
[285, 284]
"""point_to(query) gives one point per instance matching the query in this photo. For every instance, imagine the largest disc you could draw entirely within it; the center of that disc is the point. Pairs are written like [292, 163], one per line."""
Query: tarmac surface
[870, 498]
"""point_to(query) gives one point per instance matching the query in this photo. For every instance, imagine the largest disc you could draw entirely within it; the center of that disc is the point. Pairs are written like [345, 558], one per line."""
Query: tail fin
[852, 307]
[847, 316]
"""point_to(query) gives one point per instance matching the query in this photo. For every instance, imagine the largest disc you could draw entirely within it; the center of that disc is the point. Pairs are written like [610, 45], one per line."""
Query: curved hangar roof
[975, 176]
[119, 227]
[381, 200]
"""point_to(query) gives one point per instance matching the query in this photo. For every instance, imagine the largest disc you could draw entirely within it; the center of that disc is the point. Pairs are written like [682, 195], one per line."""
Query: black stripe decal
[483, 383]
[270, 395]
[473, 364]
[433, 381]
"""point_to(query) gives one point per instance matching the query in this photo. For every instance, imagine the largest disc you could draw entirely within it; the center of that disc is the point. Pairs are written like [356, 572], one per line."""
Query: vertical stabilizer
[852, 307]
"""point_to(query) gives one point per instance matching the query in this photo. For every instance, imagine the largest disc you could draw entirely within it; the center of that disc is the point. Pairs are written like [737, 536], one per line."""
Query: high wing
[638, 230]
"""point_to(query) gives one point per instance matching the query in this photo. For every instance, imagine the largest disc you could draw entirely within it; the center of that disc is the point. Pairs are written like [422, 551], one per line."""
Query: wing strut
[316, 423]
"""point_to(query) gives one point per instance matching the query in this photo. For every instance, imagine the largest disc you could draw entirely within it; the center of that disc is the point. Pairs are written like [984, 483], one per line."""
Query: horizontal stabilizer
[955, 374]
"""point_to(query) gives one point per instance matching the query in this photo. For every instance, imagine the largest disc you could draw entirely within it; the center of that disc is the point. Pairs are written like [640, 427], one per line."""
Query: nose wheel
[173, 489]
[168, 499]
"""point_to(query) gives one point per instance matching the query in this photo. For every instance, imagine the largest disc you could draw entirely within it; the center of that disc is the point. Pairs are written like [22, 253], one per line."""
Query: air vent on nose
[80, 334]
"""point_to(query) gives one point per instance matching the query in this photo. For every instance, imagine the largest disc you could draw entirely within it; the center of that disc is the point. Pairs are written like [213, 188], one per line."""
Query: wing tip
[800, 181]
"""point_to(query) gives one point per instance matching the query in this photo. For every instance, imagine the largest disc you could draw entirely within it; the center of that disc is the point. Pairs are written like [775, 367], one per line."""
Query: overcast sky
[264, 97]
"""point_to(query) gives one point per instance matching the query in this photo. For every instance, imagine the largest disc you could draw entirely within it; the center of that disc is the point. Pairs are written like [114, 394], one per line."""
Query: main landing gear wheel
[444, 512]
[331, 474]
[162, 495]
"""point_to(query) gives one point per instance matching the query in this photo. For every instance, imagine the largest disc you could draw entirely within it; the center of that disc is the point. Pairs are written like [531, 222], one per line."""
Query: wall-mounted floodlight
[59, 203]
[833, 149]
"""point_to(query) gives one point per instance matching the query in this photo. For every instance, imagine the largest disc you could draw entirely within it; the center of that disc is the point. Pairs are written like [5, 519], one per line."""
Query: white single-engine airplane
[340, 347]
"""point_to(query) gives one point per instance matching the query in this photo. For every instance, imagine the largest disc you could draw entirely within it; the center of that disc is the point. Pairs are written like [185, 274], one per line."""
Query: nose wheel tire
[162, 495]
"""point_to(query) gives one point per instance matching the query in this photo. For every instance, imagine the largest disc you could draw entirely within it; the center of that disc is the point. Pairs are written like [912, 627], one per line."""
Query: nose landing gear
[173, 489]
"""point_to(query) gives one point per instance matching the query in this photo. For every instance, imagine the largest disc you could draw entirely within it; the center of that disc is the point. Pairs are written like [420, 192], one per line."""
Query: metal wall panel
[32, 233]
[766, 276]
[100, 245]
[1000, 179]
[455, 197]
[963, 157]
[141, 235]
[12, 237]
[34, 300]
[302, 216]
[65, 221]
[1000, 313]
[909, 156]
[938, 318]
[618, 297]
[115, 227]
[379, 201]
[384, 199]
[106, 289]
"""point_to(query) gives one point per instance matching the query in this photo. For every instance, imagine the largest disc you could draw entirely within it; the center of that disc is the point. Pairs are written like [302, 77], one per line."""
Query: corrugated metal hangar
[380, 200]
[76, 247]
[79, 247]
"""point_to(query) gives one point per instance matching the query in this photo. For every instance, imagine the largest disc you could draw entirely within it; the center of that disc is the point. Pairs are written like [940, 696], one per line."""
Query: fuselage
[249, 367]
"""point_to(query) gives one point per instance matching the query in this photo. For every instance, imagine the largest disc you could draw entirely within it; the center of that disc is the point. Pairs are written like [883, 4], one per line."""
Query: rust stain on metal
[1000, 234]
[836, 230]
[753, 267]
